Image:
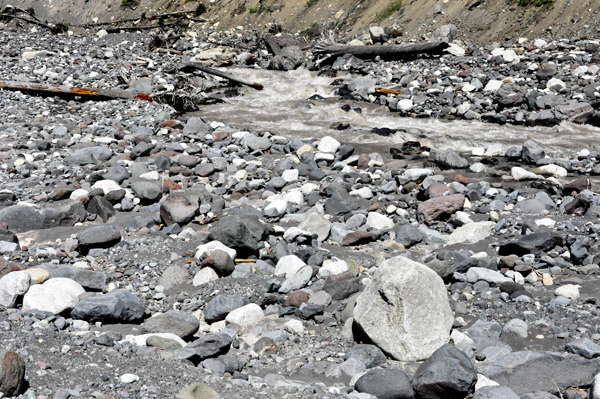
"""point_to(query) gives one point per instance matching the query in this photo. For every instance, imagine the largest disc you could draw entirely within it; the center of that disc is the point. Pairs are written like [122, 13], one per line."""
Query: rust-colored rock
[12, 373]
[357, 238]
[440, 208]
[171, 185]
[297, 298]
[438, 190]
[460, 179]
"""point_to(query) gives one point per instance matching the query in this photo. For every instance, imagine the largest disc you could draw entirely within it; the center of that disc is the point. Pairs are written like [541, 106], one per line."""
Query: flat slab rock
[529, 371]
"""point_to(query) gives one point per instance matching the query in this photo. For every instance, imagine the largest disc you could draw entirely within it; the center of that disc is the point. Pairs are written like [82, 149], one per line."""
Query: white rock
[471, 233]
[102, 33]
[308, 188]
[461, 218]
[493, 85]
[521, 174]
[129, 378]
[288, 265]
[294, 327]
[545, 222]
[581, 70]
[463, 108]
[405, 105]
[510, 56]
[477, 167]
[364, 192]
[294, 196]
[206, 249]
[246, 316]
[455, 49]
[556, 84]
[152, 175]
[333, 268]
[204, 276]
[583, 153]
[106, 185]
[405, 310]
[379, 221]
[552, 170]
[12, 286]
[478, 151]
[540, 43]
[78, 193]
[475, 274]
[467, 88]
[464, 343]
[329, 145]
[49, 299]
[417, 174]
[570, 291]
[290, 175]
[140, 340]
[483, 381]
[276, 208]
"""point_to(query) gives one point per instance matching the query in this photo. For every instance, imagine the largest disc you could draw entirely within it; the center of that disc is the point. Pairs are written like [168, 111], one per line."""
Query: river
[283, 108]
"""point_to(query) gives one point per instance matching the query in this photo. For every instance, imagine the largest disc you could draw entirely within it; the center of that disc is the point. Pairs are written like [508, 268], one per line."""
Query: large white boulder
[405, 310]
[56, 295]
[13, 286]
[246, 316]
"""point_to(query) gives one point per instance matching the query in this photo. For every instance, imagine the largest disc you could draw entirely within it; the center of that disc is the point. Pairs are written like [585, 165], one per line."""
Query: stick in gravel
[389, 52]
[192, 65]
[71, 92]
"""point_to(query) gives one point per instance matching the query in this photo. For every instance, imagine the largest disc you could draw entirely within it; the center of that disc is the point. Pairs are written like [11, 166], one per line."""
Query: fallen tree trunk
[389, 52]
[43, 89]
[52, 28]
[195, 66]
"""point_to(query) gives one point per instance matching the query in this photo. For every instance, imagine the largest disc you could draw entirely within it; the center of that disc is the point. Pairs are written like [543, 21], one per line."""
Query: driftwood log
[388, 53]
[189, 66]
[67, 92]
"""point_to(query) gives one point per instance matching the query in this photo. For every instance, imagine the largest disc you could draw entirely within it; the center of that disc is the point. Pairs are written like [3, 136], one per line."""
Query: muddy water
[283, 108]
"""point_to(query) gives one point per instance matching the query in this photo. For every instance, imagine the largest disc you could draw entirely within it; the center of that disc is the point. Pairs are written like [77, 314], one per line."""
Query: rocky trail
[149, 252]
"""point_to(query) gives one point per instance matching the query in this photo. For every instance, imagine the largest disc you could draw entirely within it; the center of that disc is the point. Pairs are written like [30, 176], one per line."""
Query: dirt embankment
[481, 21]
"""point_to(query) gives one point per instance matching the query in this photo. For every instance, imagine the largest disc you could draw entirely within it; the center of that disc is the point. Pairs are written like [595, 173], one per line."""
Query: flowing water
[283, 108]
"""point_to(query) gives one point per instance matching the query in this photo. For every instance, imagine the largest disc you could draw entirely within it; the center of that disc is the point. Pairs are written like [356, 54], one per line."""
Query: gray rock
[484, 329]
[174, 276]
[12, 373]
[220, 306]
[98, 237]
[408, 235]
[182, 324]
[448, 373]
[584, 347]
[532, 152]
[146, 191]
[21, 218]
[385, 384]
[91, 280]
[495, 392]
[196, 126]
[255, 143]
[221, 262]
[595, 389]
[101, 207]
[316, 224]
[117, 173]
[179, 207]
[297, 280]
[167, 344]
[116, 306]
[516, 327]
[212, 345]
[450, 160]
[369, 355]
[529, 371]
[215, 366]
[405, 310]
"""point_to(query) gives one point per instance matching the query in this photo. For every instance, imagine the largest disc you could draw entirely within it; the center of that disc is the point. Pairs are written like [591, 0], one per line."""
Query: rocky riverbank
[148, 254]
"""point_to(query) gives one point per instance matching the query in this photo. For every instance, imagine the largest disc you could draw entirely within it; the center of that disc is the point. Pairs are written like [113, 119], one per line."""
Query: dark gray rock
[369, 355]
[221, 262]
[408, 235]
[242, 233]
[117, 173]
[448, 373]
[385, 384]
[530, 244]
[117, 306]
[528, 371]
[98, 237]
[220, 306]
[196, 126]
[182, 324]
[101, 207]
[584, 347]
[450, 160]
[532, 152]
[212, 345]
[21, 218]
